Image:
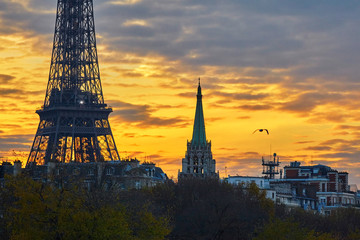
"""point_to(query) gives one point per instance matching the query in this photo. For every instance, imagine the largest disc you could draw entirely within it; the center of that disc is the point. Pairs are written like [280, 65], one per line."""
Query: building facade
[262, 183]
[331, 186]
[318, 188]
[118, 175]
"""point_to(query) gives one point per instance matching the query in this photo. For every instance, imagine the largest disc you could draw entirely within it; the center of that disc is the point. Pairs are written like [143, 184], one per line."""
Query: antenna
[270, 151]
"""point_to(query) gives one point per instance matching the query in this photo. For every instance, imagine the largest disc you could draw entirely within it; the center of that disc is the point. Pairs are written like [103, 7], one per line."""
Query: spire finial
[199, 89]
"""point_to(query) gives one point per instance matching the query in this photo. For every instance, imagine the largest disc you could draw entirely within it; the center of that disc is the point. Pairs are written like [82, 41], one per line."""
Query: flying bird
[261, 130]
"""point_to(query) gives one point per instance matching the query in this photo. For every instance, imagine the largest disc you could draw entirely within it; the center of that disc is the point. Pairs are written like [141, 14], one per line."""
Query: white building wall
[260, 182]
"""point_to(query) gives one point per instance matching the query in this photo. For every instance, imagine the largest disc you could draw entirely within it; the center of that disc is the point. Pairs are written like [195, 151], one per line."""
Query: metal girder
[74, 124]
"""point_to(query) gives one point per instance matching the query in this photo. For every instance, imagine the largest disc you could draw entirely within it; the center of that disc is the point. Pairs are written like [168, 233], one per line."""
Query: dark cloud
[4, 78]
[244, 117]
[129, 135]
[318, 148]
[308, 101]
[239, 96]
[152, 136]
[130, 154]
[334, 142]
[134, 135]
[19, 18]
[10, 91]
[227, 149]
[10, 125]
[348, 156]
[304, 142]
[241, 34]
[17, 94]
[131, 74]
[142, 116]
[347, 127]
[255, 107]
[214, 119]
[187, 94]
[15, 141]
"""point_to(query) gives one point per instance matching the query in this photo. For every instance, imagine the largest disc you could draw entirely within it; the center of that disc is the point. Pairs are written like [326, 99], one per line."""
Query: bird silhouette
[261, 130]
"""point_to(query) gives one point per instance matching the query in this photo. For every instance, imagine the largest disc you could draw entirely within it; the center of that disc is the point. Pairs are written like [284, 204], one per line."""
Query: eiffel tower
[74, 124]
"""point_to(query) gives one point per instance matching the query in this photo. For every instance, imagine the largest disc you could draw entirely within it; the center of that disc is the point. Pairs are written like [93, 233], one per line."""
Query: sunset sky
[292, 67]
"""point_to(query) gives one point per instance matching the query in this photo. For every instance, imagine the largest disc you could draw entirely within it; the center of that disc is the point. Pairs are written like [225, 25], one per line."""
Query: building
[318, 188]
[262, 183]
[281, 192]
[295, 194]
[198, 161]
[331, 187]
[119, 175]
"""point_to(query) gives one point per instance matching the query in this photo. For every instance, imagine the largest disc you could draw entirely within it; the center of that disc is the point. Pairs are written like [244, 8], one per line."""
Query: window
[196, 161]
[109, 171]
[88, 184]
[76, 171]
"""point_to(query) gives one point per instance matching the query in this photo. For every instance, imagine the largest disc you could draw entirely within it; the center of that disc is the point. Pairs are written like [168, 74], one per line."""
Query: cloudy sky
[292, 67]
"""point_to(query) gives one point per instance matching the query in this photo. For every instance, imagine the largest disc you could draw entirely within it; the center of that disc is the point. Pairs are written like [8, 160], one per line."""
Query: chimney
[17, 167]
[50, 168]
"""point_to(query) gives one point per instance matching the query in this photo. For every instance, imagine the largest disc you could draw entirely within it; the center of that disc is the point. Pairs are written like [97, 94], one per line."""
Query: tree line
[190, 209]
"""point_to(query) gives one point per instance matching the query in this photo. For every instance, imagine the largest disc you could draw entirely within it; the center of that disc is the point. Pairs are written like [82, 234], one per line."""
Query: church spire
[198, 161]
[199, 136]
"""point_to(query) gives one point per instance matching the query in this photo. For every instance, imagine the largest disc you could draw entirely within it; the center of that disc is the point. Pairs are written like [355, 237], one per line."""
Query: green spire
[199, 137]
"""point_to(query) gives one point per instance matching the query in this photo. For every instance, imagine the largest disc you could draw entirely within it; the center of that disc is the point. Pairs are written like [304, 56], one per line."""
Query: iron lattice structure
[271, 168]
[74, 124]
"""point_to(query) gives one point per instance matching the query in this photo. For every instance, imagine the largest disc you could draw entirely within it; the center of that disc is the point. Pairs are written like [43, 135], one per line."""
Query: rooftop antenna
[271, 167]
